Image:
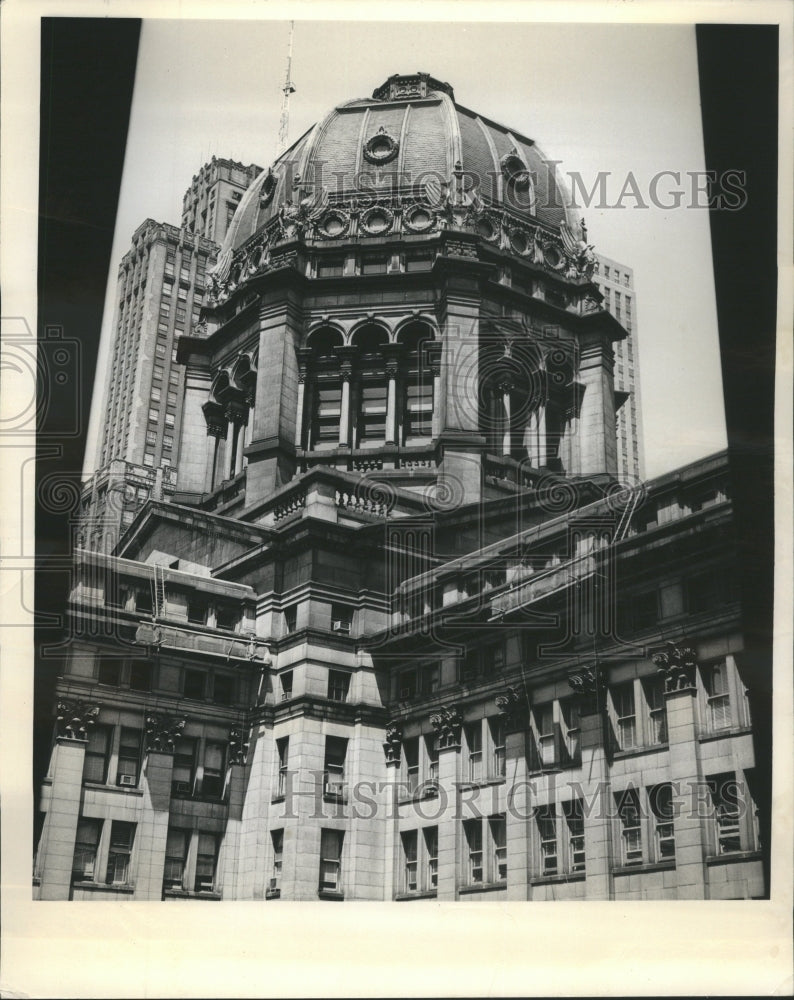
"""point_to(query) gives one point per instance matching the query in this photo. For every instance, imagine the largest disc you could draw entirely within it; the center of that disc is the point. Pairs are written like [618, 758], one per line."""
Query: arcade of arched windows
[371, 392]
[227, 414]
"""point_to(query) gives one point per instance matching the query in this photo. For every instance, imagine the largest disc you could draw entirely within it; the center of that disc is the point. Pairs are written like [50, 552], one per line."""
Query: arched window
[326, 388]
[417, 357]
[372, 391]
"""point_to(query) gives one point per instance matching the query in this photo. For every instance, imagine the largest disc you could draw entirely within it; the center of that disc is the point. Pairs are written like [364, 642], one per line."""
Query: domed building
[401, 634]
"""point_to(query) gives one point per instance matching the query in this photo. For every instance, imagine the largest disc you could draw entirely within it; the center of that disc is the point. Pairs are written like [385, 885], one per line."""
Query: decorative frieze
[74, 719]
[162, 731]
[677, 664]
[447, 723]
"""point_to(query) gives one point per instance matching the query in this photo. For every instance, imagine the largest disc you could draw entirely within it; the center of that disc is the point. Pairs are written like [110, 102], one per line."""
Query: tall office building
[160, 290]
[399, 634]
[616, 283]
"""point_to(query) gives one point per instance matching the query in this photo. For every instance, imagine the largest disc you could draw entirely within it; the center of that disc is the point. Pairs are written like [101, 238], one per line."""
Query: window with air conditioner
[85, 849]
[277, 839]
[206, 861]
[286, 685]
[291, 618]
[331, 843]
[122, 835]
[282, 750]
[406, 685]
[546, 822]
[410, 881]
[334, 766]
[129, 758]
[341, 619]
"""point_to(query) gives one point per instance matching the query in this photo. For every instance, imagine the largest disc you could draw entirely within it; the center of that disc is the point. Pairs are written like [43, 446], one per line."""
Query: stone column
[216, 433]
[254, 836]
[238, 748]
[597, 789]
[60, 825]
[507, 432]
[304, 360]
[392, 353]
[162, 735]
[196, 449]
[597, 440]
[388, 802]
[679, 666]
[347, 355]
[435, 368]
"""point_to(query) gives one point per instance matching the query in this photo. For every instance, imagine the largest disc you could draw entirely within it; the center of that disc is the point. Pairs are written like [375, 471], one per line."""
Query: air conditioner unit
[183, 787]
[128, 780]
[340, 625]
[334, 787]
[205, 883]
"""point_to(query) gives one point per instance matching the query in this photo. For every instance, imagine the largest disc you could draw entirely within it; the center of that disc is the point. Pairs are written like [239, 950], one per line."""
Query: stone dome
[409, 140]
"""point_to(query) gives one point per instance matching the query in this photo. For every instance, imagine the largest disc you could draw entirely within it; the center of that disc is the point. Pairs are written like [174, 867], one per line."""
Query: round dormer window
[381, 147]
[515, 171]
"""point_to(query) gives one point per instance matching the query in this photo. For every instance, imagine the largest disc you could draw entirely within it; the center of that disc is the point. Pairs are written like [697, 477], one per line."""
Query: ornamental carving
[447, 723]
[513, 706]
[392, 745]
[589, 685]
[162, 732]
[377, 220]
[74, 719]
[334, 224]
[238, 745]
[677, 664]
[381, 147]
[296, 216]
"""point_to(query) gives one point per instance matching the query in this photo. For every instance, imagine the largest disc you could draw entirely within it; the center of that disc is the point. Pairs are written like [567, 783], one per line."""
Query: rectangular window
[168, 442]
[122, 835]
[661, 800]
[212, 782]
[291, 618]
[727, 818]
[335, 753]
[341, 619]
[645, 612]
[410, 873]
[631, 826]
[151, 437]
[169, 420]
[331, 842]
[718, 698]
[474, 748]
[496, 727]
[206, 859]
[431, 746]
[406, 685]
[282, 748]
[223, 689]
[129, 758]
[194, 684]
[546, 819]
[411, 763]
[625, 715]
[657, 713]
[419, 408]
[109, 671]
[148, 459]
[196, 611]
[472, 830]
[286, 685]
[498, 831]
[544, 722]
[277, 837]
[574, 819]
[95, 766]
[372, 412]
[184, 765]
[338, 685]
[330, 267]
[428, 678]
[328, 409]
[569, 712]
[431, 853]
[175, 855]
[374, 264]
[85, 849]
[155, 394]
[140, 675]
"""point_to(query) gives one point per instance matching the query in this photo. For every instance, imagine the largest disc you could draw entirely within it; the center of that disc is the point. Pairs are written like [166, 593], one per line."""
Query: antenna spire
[286, 90]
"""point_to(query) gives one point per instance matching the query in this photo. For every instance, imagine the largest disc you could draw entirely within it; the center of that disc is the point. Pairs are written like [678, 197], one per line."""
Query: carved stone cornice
[590, 686]
[447, 722]
[162, 731]
[677, 664]
[347, 358]
[74, 718]
[216, 420]
[391, 354]
[236, 412]
[393, 744]
[238, 745]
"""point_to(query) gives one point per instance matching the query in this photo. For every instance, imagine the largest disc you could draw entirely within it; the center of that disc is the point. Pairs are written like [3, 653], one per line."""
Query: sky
[618, 98]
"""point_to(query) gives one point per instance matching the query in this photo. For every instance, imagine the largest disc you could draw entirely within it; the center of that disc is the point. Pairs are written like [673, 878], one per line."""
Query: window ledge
[277, 798]
[330, 894]
[186, 894]
[558, 879]
[105, 787]
[467, 890]
[733, 858]
[485, 783]
[404, 897]
[641, 751]
[273, 894]
[424, 791]
[709, 736]
[126, 887]
[651, 866]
